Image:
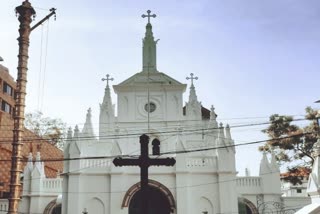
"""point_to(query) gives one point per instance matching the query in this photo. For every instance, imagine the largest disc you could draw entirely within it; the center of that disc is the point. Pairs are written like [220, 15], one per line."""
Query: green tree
[53, 130]
[292, 144]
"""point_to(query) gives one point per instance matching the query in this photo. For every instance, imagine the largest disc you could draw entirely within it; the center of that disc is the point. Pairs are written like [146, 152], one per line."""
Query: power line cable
[117, 136]
[45, 64]
[40, 70]
[167, 153]
[178, 121]
[108, 158]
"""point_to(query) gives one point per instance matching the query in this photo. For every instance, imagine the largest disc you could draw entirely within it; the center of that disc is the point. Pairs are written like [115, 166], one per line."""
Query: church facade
[203, 181]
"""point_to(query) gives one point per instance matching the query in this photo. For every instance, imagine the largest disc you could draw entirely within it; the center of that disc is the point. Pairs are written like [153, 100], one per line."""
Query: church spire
[149, 58]
[264, 165]
[106, 103]
[193, 106]
[213, 118]
[87, 130]
[107, 116]
[192, 95]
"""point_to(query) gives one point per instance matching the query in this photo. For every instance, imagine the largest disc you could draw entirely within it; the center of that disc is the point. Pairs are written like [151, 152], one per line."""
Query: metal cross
[153, 16]
[144, 162]
[107, 79]
[192, 78]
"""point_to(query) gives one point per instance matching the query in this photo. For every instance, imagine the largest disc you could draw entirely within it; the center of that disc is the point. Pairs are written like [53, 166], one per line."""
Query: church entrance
[158, 203]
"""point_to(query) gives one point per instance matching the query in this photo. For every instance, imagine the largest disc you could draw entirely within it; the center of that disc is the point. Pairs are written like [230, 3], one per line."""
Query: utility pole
[25, 14]
[144, 162]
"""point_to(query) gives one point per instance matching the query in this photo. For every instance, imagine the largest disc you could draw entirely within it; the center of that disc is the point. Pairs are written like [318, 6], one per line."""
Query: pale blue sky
[253, 58]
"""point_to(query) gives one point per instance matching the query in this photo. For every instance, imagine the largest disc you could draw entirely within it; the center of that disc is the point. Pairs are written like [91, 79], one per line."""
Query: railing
[248, 182]
[4, 205]
[95, 163]
[52, 185]
[199, 162]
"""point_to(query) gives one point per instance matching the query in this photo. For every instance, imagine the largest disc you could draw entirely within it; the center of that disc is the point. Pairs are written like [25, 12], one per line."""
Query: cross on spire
[107, 79]
[192, 78]
[149, 16]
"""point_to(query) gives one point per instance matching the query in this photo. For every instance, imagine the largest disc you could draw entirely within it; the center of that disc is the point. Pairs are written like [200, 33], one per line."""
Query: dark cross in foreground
[149, 16]
[144, 162]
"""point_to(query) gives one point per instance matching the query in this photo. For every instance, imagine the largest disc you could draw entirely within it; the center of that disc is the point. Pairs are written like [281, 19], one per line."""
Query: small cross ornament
[107, 79]
[149, 16]
[192, 78]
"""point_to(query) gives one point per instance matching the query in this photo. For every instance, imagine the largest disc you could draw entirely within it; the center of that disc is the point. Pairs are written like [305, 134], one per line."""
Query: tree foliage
[53, 130]
[292, 144]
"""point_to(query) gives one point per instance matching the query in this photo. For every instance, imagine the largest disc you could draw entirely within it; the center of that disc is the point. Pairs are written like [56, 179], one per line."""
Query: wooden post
[25, 13]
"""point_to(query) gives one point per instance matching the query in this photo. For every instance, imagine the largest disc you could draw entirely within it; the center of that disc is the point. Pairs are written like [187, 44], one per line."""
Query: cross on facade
[192, 78]
[144, 162]
[149, 16]
[107, 79]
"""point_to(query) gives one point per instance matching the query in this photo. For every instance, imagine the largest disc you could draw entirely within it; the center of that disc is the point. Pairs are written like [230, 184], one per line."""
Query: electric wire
[167, 153]
[169, 187]
[187, 120]
[40, 70]
[45, 64]
[114, 156]
[126, 135]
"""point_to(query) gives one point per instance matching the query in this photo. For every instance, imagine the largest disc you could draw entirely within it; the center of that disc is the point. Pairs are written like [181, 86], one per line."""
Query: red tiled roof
[299, 172]
[204, 112]
[31, 144]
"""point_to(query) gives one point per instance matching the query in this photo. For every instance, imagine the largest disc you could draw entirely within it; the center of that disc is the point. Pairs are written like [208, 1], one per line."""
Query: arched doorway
[158, 203]
[53, 208]
[158, 190]
[246, 207]
[56, 209]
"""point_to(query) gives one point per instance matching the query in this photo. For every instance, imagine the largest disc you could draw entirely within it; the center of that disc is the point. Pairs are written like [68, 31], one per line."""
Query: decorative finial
[247, 172]
[69, 135]
[149, 16]
[107, 79]
[30, 157]
[76, 132]
[228, 132]
[213, 115]
[38, 156]
[88, 116]
[192, 78]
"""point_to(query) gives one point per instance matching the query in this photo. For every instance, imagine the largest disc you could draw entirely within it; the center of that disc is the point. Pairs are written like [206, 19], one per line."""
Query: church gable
[155, 78]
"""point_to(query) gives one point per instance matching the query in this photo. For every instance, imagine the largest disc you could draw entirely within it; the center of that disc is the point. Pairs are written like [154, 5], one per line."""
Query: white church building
[203, 181]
